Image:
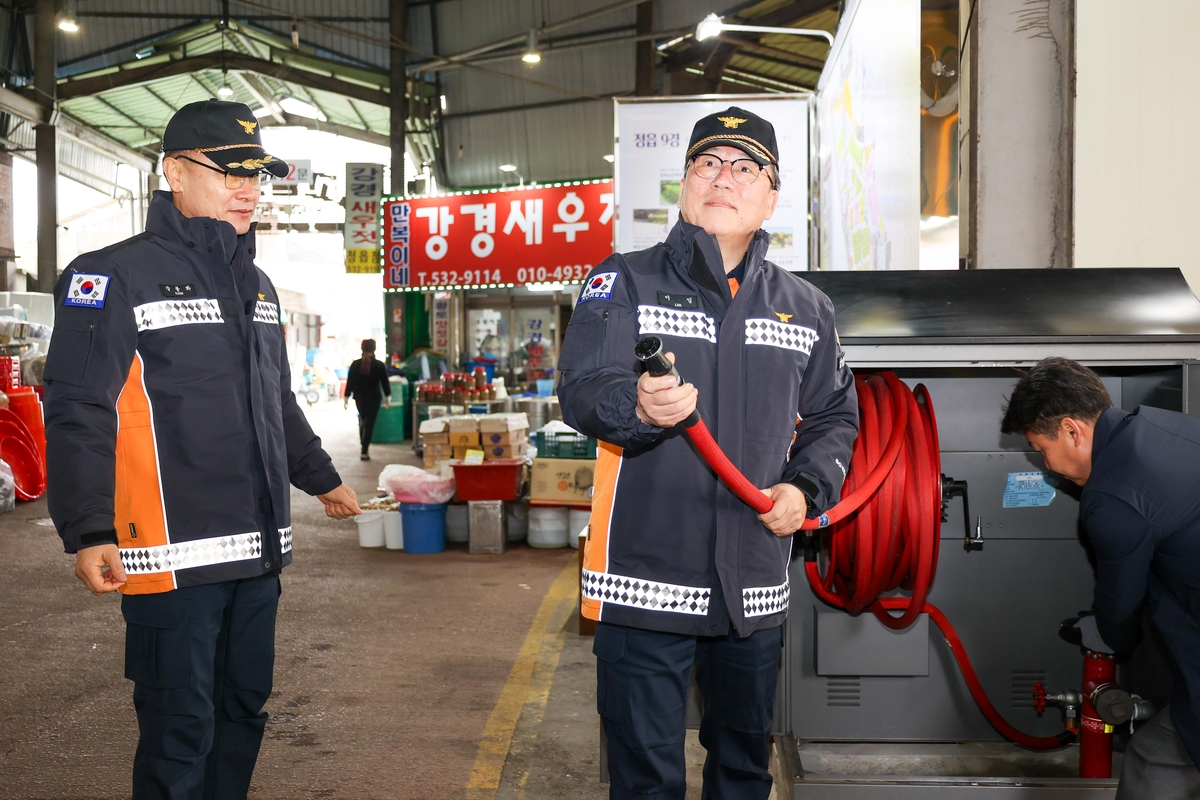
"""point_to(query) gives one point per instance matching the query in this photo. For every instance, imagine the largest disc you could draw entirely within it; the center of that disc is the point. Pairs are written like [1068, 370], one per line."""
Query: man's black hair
[1053, 389]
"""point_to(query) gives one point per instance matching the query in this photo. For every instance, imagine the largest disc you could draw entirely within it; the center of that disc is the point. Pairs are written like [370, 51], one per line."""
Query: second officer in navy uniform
[172, 438]
[677, 570]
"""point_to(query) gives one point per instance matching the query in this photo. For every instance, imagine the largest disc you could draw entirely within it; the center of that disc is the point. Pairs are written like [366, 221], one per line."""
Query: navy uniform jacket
[1141, 508]
[670, 548]
[171, 427]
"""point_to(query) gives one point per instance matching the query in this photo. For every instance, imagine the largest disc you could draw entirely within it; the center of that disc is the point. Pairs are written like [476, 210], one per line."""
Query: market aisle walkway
[388, 666]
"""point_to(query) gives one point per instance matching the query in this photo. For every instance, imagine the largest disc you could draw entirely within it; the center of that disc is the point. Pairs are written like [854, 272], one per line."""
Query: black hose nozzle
[649, 351]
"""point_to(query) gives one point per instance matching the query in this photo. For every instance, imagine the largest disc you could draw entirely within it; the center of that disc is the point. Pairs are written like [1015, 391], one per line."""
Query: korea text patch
[87, 290]
[599, 287]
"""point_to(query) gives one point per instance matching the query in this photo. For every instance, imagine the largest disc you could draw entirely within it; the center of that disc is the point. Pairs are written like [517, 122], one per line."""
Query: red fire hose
[887, 527]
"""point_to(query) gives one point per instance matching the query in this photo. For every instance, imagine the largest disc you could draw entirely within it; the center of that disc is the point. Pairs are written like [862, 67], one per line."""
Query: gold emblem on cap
[783, 317]
[251, 163]
[250, 126]
[732, 122]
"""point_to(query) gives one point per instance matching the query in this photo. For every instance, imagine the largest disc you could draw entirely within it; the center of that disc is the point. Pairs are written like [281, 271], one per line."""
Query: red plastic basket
[492, 480]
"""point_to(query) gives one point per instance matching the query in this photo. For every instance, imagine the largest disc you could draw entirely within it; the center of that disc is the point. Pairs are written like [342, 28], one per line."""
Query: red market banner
[550, 233]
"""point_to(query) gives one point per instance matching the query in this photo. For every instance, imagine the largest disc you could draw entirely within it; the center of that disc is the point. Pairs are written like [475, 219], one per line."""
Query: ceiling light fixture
[532, 54]
[66, 20]
[508, 167]
[225, 91]
[712, 25]
[610, 158]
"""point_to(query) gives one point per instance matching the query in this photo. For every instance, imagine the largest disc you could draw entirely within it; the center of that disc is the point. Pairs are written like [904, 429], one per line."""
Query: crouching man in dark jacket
[677, 570]
[1141, 508]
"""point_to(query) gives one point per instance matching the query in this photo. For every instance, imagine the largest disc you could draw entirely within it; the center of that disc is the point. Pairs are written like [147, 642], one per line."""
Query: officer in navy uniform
[172, 438]
[677, 570]
[1138, 470]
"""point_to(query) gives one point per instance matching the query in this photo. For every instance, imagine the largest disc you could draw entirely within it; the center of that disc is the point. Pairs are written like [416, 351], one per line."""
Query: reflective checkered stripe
[774, 333]
[285, 539]
[186, 555]
[169, 313]
[266, 312]
[675, 322]
[648, 595]
[759, 601]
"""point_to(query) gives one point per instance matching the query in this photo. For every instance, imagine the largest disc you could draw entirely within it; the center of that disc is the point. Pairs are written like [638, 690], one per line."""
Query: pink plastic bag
[415, 485]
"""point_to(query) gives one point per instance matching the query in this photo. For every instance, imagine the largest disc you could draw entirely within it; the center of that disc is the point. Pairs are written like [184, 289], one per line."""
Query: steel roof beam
[333, 127]
[85, 87]
[521, 38]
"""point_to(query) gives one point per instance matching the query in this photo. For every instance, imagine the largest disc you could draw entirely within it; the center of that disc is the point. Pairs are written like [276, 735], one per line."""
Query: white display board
[869, 130]
[651, 140]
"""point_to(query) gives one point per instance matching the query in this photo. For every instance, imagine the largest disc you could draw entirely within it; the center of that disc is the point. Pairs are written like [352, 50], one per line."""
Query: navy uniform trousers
[642, 685]
[201, 659]
[1157, 764]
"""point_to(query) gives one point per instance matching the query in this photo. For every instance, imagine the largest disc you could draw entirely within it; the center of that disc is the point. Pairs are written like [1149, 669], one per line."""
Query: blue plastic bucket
[424, 527]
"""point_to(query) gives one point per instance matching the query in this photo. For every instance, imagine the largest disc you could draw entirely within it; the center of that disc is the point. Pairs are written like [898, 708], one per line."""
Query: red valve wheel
[1039, 697]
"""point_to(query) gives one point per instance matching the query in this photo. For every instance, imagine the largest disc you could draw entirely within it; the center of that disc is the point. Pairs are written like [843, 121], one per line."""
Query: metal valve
[1069, 702]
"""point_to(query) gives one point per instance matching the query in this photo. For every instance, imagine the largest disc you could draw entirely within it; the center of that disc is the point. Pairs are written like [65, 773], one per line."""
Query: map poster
[868, 132]
[652, 138]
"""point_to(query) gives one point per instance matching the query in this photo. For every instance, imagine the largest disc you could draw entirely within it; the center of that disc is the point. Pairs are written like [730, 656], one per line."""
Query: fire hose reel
[900, 511]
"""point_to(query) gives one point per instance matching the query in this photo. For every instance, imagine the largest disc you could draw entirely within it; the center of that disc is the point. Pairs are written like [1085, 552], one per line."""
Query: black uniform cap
[736, 127]
[227, 133]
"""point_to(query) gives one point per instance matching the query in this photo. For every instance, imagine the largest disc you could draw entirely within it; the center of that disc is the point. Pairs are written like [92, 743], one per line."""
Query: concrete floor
[397, 676]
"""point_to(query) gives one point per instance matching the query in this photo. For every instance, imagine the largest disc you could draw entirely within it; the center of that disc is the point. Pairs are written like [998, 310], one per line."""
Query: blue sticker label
[1028, 490]
[600, 287]
[87, 290]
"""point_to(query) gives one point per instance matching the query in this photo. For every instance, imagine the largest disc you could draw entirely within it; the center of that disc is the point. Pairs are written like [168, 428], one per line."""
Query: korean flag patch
[599, 287]
[87, 290]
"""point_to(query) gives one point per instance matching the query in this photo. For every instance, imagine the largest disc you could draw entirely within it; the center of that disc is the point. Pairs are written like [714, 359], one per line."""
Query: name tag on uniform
[676, 300]
[178, 289]
[87, 290]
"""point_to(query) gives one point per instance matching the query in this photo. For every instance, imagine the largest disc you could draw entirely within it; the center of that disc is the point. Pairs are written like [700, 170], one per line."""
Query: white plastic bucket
[548, 526]
[370, 529]
[458, 527]
[577, 522]
[517, 512]
[393, 530]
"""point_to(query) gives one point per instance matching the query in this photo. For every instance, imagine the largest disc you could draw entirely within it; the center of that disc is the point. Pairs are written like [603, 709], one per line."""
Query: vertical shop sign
[439, 337]
[364, 187]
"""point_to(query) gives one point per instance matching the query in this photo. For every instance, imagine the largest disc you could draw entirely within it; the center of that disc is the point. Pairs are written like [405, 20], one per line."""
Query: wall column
[1018, 134]
[45, 64]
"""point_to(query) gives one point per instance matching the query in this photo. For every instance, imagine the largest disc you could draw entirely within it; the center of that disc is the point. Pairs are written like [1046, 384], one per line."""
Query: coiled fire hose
[887, 527]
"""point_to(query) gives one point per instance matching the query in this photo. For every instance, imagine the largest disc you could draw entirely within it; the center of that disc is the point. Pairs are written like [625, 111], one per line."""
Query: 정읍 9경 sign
[548, 233]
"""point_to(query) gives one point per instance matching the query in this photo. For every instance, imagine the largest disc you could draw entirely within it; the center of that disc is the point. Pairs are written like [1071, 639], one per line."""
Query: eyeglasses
[258, 179]
[744, 170]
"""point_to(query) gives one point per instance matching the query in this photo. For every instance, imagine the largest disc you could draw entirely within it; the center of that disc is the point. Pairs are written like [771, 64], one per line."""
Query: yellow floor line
[542, 645]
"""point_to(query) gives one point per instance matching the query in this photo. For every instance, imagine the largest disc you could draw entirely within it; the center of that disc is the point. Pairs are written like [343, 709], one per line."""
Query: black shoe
[364, 457]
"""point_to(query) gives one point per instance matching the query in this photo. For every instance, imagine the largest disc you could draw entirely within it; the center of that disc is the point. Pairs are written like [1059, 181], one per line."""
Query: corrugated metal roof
[554, 119]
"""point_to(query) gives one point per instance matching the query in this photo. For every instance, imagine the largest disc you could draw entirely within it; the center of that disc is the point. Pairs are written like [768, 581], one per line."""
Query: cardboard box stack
[435, 439]
[497, 435]
[504, 435]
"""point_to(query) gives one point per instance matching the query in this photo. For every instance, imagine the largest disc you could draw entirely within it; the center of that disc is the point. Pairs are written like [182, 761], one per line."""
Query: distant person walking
[368, 384]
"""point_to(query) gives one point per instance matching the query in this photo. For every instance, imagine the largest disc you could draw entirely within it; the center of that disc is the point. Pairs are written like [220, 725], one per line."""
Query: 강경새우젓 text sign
[547, 233]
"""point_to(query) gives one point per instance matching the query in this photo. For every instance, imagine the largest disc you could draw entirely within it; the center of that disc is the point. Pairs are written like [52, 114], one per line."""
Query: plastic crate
[499, 479]
[565, 445]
